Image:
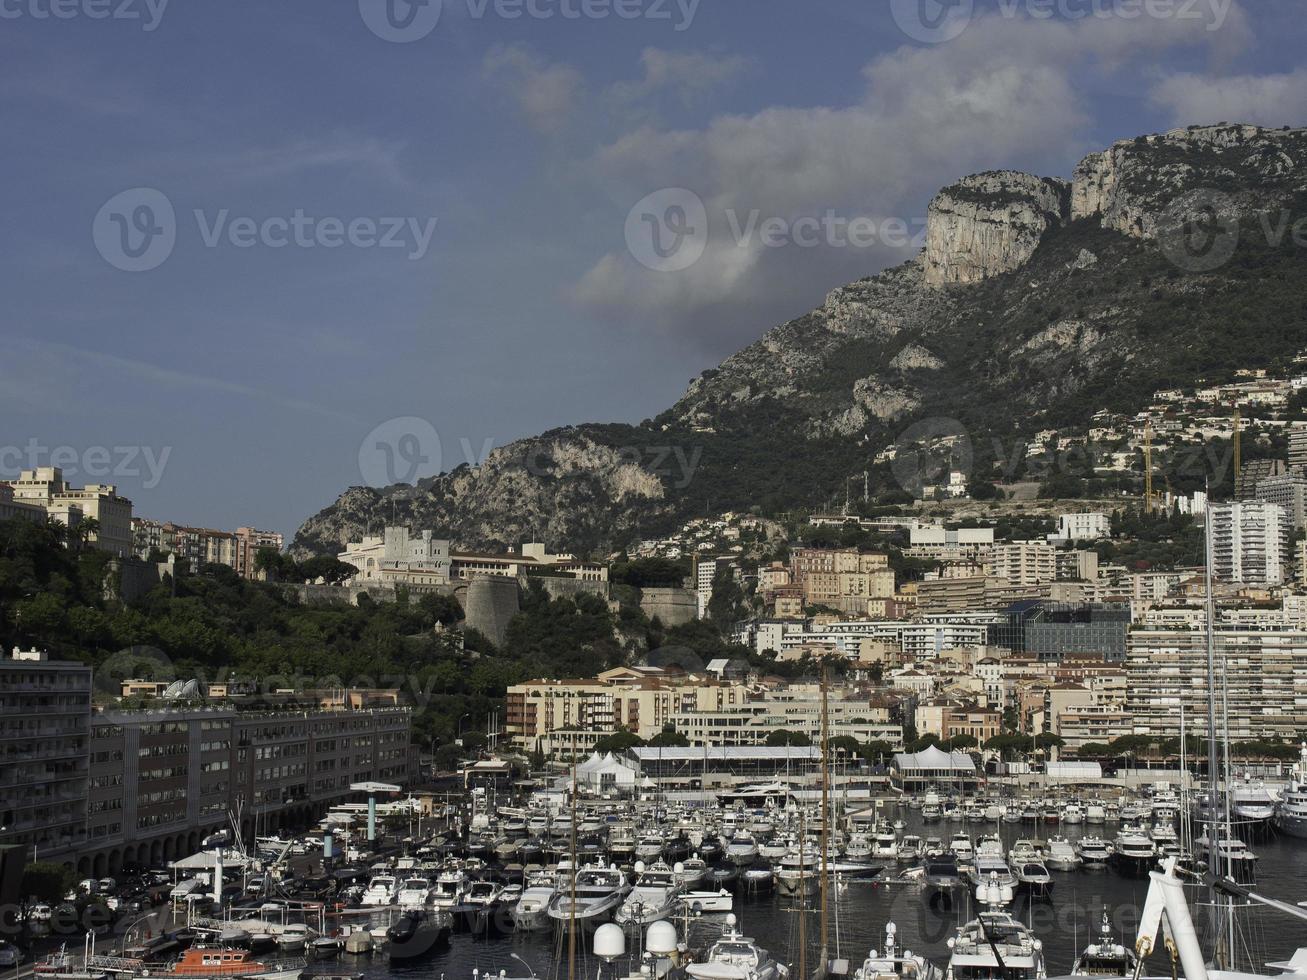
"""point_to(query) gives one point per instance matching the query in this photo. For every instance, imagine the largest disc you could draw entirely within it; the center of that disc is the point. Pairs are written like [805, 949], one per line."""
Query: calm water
[1065, 921]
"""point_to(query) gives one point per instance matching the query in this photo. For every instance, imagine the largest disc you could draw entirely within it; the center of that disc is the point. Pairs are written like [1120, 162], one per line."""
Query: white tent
[205, 861]
[605, 773]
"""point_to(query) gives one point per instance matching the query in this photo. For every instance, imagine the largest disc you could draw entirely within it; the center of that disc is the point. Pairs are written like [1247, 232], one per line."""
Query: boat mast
[825, 820]
[1213, 847]
[571, 909]
[803, 898]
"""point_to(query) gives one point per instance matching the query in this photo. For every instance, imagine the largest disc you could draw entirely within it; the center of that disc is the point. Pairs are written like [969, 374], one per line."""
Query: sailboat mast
[1213, 847]
[825, 816]
[571, 908]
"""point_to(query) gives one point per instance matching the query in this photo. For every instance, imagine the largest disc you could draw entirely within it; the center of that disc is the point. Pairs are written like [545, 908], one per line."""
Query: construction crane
[1148, 466]
[1238, 456]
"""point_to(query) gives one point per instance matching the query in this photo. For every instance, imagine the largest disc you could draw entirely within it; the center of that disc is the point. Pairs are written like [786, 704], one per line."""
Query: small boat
[294, 938]
[944, 884]
[381, 891]
[699, 901]
[1134, 852]
[531, 910]
[217, 962]
[1033, 877]
[995, 945]
[742, 850]
[655, 896]
[691, 872]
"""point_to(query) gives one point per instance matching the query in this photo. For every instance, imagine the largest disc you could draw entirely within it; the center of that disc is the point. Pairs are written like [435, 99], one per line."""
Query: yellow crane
[1148, 466]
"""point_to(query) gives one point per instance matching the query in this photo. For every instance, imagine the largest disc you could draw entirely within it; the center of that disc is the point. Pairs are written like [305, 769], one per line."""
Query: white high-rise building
[1083, 527]
[705, 570]
[1249, 542]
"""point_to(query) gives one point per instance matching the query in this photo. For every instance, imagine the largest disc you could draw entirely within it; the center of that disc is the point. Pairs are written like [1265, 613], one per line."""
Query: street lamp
[459, 738]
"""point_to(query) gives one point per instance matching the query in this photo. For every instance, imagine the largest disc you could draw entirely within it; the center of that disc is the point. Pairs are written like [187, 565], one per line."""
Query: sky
[258, 252]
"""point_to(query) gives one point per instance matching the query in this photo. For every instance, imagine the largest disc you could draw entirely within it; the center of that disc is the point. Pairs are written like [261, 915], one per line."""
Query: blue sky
[251, 363]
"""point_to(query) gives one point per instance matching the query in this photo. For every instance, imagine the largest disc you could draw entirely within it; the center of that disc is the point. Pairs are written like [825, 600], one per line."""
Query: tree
[963, 741]
[669, 738]
[618, 742]
[47, 881]
[783, 737]
[845, 744]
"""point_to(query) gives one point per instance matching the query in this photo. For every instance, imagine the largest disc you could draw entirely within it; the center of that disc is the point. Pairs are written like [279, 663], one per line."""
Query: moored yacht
[736, 957]
[655, 896]
[381, 891]
[1291, 812]
[1106, 957]
[995, 945]
[1094, 852]
[891, 963]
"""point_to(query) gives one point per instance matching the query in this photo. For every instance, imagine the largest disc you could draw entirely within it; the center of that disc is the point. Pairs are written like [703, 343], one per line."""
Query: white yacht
[1073, 814]
[1291, 811]
[911, 849]
[736, 957]
[799, 872]
[1134, 852]
[1106, 957]
[531, 911]
[960, 845]
[691, 873]
[451, 885]
[885, 844]
[599, 891]
[655, 896]
[414, 893]
[1095, 812]
[891, 963]
[1061, 855]
[1094, 852]
[381, 891]
[995, 938]
[742, 850]
[649, 847]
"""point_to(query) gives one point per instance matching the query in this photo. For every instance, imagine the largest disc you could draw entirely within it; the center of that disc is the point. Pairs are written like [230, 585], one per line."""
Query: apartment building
[11, 508]
[1263, 673]
[1289, 491]
[950, 544]
[1081, 724]
[1249, 542]
[45, 708]
[249, 542]
[1083, 527]
[45, 488]
[1024, 563]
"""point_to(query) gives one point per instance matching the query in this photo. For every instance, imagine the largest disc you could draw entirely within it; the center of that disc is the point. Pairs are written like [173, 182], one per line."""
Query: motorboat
[1095, 812]
[705, 901]
[910, 850]
[1094, 852]
[1133, 852]
[943, 882]
[531, 910]
[799, 872]
[295, 937]
[381, 891]
[218, 962]
[890, 963]
[990, 868]
[995, 945]
[414, 893]
[451, 884]
[655, 896]
[735, 956]
[960, 845]
[1234, 859]
[758, 878]
[1073, 814]
[1062, 855]
[1291, 812]
[691, 873]
[1032, 877]
[416, 934]
[859, 847]
[885, 844]
[1105, 957]
[742, 850]
[599, 891]
[1011, 813]
[649, 847]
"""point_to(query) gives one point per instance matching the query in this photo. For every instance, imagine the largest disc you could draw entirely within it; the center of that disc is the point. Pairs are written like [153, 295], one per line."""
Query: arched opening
[156, 853]
[114, 861]
[129, 856]
[169, 849]
[84, 867]
[192, 842]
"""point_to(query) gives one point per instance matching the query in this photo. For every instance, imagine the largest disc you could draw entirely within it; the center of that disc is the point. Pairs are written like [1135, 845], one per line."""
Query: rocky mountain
[1034, 302]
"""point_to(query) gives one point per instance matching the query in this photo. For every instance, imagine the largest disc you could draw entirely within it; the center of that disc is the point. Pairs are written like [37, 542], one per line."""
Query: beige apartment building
[842, 579]
[1024, 563]
[45, 488]
[1263, 673]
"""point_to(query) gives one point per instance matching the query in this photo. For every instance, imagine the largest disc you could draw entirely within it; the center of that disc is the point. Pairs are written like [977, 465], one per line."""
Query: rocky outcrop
[1034, 301]
[1133, 186]
[989, 224]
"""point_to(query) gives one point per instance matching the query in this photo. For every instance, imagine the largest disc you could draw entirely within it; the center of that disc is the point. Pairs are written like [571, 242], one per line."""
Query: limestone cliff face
[1132, 186]
[988, 224]
[1032, 297]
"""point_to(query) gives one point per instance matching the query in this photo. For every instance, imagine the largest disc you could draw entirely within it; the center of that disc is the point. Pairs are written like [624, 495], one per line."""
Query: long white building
[1249, 542]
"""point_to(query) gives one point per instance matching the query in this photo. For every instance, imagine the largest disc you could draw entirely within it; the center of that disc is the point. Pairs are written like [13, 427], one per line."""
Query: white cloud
[689, 75]
[1268, 100]
[545, 92]
[1004, 93]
